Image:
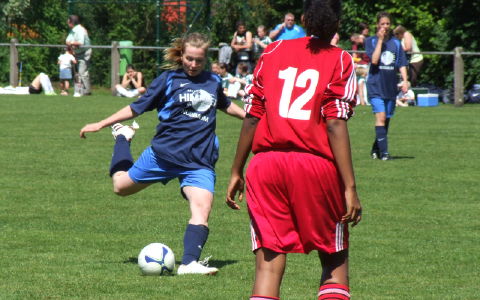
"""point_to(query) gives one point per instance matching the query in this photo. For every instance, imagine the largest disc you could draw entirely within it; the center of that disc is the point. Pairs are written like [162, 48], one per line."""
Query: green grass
[65, 235]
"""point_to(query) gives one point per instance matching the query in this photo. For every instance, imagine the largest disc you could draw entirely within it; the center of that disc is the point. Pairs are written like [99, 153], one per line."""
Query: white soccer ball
[156, 259]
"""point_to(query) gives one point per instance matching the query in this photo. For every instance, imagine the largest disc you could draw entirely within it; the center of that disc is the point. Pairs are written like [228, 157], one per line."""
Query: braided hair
[321, 18]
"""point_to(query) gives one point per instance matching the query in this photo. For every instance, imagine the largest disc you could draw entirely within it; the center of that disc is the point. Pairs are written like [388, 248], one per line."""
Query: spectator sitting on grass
[407, 98]
[132, 83]
[40, 83]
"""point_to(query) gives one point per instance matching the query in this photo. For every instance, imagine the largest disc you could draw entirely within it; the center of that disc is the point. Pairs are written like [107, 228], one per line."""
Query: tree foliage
[437, 26]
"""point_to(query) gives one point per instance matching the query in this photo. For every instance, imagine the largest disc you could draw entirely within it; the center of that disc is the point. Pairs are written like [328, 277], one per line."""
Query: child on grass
[65, 62]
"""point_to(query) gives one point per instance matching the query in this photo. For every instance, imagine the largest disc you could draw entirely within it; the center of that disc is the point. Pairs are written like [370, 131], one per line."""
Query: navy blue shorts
[150, 168]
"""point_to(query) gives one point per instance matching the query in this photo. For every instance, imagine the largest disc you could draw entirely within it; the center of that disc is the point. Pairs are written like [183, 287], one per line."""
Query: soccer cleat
[50, 93]
[374, 155]
[197, 267]
[386, 156]
[77, 95]
[127, 131]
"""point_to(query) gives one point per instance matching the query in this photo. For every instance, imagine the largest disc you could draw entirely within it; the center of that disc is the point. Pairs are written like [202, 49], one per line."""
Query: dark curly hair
[321, 17]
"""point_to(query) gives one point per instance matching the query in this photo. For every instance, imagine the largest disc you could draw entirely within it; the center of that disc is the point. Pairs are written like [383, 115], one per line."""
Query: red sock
[258, 297]
[333, 291]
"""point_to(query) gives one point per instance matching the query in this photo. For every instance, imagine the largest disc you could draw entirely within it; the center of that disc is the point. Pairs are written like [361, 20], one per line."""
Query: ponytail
[173, 54]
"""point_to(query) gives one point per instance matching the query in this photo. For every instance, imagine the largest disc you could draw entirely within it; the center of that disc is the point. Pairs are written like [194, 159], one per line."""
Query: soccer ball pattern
[156, 259]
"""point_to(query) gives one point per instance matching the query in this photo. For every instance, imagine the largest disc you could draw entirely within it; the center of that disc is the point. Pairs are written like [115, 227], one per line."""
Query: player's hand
[237, 184]
[354, 208]
[93, 127]
[381, 33]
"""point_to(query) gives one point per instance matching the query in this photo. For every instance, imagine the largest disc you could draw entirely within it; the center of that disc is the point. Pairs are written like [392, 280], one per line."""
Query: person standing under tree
[301, 190]
[387, 58]
[78, 39]
[185, 145]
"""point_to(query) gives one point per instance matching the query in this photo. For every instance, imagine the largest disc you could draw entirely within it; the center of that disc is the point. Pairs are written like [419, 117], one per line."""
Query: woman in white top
[410, 45]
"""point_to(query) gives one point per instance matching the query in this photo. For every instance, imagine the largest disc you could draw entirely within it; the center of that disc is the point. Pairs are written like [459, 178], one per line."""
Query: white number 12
[295, 111]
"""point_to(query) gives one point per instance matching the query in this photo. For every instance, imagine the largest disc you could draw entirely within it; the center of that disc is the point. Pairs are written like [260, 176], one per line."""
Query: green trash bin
[125, 56]
[419, 90]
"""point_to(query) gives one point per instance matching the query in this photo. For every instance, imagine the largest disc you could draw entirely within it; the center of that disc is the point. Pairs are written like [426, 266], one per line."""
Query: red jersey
[298, 85]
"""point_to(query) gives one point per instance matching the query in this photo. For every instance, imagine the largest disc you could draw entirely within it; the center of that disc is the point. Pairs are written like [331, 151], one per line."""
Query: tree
[437, 26]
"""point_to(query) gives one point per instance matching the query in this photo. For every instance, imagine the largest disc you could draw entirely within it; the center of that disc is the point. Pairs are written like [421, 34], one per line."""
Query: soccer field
[65, 235]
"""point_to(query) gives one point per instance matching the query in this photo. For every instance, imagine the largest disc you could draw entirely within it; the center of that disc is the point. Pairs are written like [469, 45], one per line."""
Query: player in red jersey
[301, 191]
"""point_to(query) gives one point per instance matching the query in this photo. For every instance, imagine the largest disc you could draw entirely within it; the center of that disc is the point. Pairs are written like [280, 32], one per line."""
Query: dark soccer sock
[193, 241]
[381, 138]
[333, 291]
[122, 159]
[387, 124]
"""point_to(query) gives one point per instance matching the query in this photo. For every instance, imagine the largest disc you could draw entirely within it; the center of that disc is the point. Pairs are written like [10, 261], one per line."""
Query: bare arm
[123, 114]
[274, 33]
[125, 80]
[239, 80]
[378, 48]
[249, 39]
[340, 144]
[260, 43]
[407, 41]
[234, 111]
[244, 146]
[403, 73]
[137, 83]
[233, 43]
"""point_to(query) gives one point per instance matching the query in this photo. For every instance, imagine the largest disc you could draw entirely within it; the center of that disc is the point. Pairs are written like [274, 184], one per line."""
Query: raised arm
[377, 52]
[340, 144]
[123, 114]
[137, 83]
[274, 33]
[125, 80]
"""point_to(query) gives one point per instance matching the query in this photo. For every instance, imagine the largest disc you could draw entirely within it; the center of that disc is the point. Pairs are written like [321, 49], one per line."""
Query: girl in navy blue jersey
[387, 59]
[185, 145]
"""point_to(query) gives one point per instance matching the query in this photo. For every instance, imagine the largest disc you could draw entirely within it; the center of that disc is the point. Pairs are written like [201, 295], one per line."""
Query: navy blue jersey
[382, 78]
[186, 109]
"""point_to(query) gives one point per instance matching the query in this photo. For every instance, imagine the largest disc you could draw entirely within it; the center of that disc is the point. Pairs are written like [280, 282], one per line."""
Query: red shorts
[295, 201]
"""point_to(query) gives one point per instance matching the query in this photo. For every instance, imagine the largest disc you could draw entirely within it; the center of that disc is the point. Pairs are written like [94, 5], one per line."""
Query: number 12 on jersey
[296, 111]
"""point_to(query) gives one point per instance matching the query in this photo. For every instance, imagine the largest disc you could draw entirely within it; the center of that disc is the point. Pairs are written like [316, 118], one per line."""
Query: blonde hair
[399, 30]
[173, 54]
[361, 71]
